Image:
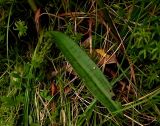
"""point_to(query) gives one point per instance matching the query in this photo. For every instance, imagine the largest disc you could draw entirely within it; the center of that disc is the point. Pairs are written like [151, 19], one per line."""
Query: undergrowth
[39, 87]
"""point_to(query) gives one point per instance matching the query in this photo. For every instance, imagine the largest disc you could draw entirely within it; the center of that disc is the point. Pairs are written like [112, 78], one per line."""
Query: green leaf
[88, 71]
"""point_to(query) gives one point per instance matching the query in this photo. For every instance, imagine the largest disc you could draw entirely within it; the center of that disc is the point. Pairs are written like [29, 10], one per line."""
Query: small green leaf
[21, 28]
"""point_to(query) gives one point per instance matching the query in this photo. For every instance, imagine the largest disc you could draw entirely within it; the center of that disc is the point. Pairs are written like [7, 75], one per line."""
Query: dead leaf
[67, 90]
[36, 18]
[106, 58]
[53, 88]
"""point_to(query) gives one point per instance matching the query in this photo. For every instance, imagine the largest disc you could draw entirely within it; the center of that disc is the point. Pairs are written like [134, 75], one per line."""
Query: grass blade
[109, 20]
[88, 71]
[87, 113]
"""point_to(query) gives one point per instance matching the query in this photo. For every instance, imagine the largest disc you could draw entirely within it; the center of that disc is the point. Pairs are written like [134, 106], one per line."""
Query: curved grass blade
[88, 71]
[87, 113]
